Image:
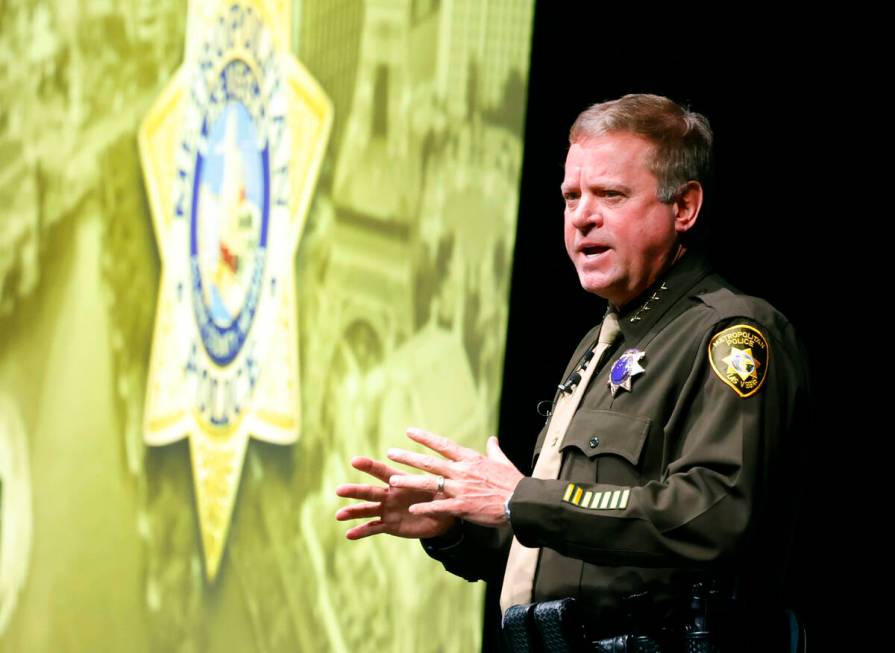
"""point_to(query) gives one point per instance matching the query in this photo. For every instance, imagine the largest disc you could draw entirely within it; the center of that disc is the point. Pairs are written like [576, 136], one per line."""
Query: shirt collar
[636, 319]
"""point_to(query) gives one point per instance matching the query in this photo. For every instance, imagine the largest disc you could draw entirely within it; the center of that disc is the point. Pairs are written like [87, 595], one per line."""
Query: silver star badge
[624, 369]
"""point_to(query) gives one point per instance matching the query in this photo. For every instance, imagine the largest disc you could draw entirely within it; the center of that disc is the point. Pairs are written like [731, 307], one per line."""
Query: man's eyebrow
[601, 185]
[610, 185]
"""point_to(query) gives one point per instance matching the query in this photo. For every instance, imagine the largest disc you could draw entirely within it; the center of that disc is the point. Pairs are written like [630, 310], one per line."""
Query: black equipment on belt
[557, 627]
[702, 622]
[553, 626]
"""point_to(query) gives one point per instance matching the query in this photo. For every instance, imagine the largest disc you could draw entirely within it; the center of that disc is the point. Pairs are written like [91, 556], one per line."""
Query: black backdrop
[770, 97]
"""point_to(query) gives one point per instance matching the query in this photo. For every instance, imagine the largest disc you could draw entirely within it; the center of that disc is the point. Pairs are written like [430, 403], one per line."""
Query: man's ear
[687, 205]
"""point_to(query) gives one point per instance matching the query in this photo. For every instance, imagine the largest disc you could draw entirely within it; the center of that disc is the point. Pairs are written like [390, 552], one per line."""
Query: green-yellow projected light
[379, 143]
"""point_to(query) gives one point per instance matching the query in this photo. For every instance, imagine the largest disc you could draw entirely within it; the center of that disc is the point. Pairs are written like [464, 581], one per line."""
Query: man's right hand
[389, 505]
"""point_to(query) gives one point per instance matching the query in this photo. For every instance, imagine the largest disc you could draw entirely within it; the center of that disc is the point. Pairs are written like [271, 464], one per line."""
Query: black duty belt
[556, 627]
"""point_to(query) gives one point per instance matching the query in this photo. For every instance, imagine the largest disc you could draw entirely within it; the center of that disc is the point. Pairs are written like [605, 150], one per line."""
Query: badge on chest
[625, 369]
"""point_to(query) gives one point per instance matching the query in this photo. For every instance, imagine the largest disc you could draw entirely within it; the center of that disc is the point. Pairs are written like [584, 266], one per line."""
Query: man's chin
[595, 286]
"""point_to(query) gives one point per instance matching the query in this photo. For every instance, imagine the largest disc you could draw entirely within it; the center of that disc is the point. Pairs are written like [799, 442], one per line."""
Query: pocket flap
[600, 432]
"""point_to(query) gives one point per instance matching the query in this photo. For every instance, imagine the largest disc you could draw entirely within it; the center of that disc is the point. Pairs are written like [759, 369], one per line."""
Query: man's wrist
[506, 508]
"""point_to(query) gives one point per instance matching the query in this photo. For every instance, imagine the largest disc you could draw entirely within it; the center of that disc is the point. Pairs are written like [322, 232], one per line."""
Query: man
[664, 471]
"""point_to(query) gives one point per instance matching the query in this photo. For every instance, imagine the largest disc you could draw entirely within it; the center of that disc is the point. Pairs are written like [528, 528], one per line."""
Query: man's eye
[570, 196]
[612, 193]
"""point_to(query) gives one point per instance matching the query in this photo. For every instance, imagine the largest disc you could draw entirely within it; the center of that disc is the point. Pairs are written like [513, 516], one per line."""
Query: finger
[359, 510]
[364, 492]
[421, 461]
[496, 453]
[373, 467]
[366, 530]
[452, 507]
[418, 482]
[447, 448]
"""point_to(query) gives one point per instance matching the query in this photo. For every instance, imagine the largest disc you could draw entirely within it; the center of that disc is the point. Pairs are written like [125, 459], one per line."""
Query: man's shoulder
[720, 302]
[736, 330]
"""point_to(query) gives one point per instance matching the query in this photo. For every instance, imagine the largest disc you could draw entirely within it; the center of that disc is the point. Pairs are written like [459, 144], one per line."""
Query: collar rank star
[230, 151]
[625, 368]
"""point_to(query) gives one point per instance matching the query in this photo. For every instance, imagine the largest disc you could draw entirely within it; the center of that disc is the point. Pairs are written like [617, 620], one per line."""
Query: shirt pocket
[604, 446]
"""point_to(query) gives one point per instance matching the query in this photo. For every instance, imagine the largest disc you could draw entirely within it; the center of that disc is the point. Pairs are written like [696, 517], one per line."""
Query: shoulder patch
[739, 356]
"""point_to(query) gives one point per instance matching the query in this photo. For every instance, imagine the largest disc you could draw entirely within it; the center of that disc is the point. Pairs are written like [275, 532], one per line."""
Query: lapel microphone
[545, 408]
[575, 377]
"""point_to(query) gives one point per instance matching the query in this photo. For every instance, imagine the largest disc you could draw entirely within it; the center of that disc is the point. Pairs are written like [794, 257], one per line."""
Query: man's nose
[587, 214]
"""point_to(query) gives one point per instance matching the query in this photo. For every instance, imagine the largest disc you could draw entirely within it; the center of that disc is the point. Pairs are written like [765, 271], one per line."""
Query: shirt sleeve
[729, 442]
[472, 551]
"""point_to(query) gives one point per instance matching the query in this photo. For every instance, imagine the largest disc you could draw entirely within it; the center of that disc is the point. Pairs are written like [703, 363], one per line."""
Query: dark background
[776, 211]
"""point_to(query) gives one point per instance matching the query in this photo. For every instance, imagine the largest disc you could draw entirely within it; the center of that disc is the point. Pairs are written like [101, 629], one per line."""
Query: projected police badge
[231, 152]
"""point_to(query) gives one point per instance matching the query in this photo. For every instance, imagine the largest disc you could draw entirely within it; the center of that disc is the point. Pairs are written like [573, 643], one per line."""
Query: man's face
[618, 234]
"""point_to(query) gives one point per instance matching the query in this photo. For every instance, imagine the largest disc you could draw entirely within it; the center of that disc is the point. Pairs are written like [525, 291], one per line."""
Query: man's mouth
[594, 250]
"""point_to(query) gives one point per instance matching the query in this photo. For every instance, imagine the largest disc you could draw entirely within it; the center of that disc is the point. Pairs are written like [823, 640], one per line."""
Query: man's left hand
[476, 487]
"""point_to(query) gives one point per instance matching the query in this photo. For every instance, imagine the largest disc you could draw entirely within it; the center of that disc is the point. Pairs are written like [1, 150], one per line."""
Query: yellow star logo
[742, 363]
[231, 151]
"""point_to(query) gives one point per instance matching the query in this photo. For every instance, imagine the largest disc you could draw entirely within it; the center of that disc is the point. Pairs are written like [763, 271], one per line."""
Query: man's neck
[678, 254]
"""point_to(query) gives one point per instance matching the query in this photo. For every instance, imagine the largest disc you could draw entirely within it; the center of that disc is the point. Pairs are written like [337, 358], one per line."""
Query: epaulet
[726, 303]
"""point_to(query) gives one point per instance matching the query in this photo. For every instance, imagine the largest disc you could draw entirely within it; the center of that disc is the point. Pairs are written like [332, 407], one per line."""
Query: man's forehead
[611, 154]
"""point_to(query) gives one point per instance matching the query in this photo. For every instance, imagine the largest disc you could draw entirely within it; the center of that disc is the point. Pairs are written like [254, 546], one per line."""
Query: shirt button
[594, 441]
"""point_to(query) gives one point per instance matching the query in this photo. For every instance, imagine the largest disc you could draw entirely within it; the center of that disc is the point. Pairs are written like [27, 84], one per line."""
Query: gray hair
[682, 139]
